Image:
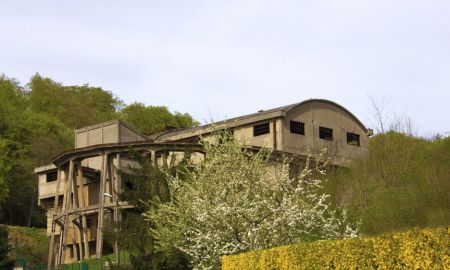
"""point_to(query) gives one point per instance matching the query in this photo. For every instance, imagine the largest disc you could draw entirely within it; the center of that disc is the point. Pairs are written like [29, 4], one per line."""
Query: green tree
[140, 183]
[27, 139]
[154, 119]
[75, 106]
[403, 182]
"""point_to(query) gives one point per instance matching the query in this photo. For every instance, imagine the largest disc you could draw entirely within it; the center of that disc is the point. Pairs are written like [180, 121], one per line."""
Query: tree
[142, 181]
[27, 139]
[403, 183]
[154, 119]
[75, 106]
[237, 200]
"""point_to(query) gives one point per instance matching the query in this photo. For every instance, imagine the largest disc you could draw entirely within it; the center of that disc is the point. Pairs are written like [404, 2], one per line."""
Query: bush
[413, 249]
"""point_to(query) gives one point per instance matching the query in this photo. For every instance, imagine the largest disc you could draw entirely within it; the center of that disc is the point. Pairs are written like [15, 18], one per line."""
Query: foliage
[32, 243]
[27, 139]
[5, 261]
[143, 181]
[237, 200]
[154, 119]
[36, 123]
[413, 249]
[75, 106]
[404, 182]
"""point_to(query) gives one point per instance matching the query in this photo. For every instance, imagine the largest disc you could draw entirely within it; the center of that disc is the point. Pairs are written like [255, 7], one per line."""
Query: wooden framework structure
[75, 209]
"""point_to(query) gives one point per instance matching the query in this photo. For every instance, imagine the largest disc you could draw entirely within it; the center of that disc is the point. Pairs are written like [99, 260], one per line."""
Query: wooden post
[75, 205]
[116, 218]
[67, 200]
[153, 158]
[101, 209]
[78, 186]
[83, 238]
[55, 210]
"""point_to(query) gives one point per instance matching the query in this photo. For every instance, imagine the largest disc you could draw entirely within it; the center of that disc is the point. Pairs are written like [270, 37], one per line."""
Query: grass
[32, 243]
[98, 264]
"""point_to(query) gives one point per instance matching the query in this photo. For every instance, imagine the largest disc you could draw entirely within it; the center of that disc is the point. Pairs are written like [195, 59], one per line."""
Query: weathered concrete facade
[310, 116]
[79, 189]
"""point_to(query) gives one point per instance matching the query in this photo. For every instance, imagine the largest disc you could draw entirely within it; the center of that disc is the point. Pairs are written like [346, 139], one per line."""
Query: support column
[77, 187]
[116, 214]
[83, 234]
[101, 210]
[55, 211]
[67, 202]
[75, 205]
[153, 158]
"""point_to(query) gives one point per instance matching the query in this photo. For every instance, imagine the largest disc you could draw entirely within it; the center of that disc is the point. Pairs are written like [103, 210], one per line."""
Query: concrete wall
[313, 115]
[113, 131]
[316, 114]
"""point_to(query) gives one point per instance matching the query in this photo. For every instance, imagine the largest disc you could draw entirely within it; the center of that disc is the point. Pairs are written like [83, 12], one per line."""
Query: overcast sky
[220, 59]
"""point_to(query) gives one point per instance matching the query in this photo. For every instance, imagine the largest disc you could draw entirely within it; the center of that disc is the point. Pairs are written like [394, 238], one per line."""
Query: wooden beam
[101, 211]
[116, 213]
[67, 200]
[83, 238]
[55, 209]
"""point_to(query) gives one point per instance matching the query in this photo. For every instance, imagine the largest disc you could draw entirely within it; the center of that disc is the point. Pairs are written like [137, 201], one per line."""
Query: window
[298, 127]
[352, 139]
[52, 176]
[326, 133]
[261, 129]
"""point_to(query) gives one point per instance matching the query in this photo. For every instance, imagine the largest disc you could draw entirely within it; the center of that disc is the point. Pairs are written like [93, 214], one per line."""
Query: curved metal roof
[290, 107]
[275, 112]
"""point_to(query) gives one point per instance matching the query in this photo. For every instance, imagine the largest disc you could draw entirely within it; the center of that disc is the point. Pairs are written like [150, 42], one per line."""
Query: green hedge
[414, 249]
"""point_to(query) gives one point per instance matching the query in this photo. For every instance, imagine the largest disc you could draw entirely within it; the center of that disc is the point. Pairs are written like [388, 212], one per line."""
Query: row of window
[299, 128]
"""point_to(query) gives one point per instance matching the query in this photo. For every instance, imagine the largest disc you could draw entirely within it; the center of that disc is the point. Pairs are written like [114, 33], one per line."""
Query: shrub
[413, 249]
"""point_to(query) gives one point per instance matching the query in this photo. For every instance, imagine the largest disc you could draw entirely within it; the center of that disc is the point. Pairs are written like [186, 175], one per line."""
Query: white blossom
[237, 200]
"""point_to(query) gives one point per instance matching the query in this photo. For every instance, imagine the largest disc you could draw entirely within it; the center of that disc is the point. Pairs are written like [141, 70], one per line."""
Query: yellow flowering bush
[414, 249]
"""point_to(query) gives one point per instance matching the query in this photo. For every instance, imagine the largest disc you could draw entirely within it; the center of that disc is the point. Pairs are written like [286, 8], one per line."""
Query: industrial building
[79, 189]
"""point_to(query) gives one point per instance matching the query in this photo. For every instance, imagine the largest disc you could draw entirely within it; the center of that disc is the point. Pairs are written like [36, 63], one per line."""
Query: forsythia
[414, 249]
[238, 200]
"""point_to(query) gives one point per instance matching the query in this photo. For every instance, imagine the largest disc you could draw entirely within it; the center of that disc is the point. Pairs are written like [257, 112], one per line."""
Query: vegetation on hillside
[404, 182]
[143, 119]
[31, 243]
[6, 261]
[37, 122]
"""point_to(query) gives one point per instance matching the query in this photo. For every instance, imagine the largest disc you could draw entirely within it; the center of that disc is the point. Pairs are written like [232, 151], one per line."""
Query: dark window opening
[353, 139]
[326, 133]
[127, 181]
[298, 127]
[88, 222]
[52, 176]
[261, 129]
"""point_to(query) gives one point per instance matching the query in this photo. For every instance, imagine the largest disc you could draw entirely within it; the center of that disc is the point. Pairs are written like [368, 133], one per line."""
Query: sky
[221, 59]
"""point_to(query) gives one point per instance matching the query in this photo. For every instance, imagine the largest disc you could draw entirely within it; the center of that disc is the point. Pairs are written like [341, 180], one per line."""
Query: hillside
[31, 243]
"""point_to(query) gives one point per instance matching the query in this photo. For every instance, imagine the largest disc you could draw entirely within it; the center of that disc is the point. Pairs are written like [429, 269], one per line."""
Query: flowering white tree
[238, 200]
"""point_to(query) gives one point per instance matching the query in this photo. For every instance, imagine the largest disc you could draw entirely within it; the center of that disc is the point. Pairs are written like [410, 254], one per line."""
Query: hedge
[414, 249]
